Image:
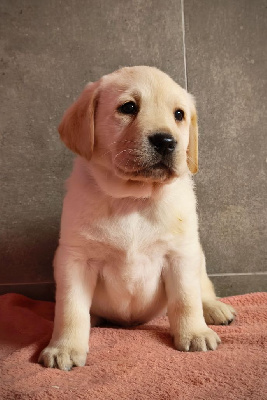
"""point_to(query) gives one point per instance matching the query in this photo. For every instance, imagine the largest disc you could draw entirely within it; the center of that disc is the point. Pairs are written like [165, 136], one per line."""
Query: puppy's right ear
[77, 126]
[192, 150]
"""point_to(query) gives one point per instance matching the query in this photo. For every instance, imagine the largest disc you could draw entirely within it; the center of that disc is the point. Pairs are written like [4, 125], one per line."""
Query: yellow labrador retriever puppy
[129, 246]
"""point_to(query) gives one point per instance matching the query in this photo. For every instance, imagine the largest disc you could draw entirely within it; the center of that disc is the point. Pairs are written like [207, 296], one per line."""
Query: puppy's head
[137, 123]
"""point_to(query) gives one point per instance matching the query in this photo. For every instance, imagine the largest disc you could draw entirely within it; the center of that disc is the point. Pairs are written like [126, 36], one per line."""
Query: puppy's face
[143, 125]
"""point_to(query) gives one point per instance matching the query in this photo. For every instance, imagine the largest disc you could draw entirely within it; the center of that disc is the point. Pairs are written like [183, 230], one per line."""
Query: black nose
[164, 143]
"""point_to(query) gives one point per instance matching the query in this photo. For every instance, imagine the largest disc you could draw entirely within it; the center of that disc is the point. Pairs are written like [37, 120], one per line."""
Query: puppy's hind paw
[218, 313]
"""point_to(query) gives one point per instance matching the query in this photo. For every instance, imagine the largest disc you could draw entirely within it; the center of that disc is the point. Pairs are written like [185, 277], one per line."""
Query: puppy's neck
[119, 188]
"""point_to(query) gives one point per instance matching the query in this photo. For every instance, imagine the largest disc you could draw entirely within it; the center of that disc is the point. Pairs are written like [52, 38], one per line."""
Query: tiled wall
[51, 49]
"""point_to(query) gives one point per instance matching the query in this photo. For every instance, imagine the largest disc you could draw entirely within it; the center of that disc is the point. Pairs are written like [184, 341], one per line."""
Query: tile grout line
[212, 275]
[27, 283]
[240, 274]
[184, 48]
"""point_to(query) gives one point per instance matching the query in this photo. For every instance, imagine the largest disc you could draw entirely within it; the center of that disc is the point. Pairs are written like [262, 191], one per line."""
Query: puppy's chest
[131, 234]
[136, 238]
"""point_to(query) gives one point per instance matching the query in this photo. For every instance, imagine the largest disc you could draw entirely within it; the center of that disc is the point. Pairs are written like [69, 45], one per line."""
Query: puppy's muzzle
[163, 143]
[155, 161]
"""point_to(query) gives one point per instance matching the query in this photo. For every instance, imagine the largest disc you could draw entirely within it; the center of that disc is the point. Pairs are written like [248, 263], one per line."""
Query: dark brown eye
[179, 115]
[128, 108]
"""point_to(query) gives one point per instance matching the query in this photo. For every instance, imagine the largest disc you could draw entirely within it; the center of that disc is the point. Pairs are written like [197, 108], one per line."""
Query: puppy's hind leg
[215, 312]
[96, 320]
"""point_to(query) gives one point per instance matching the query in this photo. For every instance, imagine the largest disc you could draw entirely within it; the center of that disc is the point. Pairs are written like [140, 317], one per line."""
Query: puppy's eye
[179, 115]
[128, 108]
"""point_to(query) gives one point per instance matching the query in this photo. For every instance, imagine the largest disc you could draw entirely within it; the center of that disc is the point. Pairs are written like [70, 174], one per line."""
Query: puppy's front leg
[182, 283]
[75, 286]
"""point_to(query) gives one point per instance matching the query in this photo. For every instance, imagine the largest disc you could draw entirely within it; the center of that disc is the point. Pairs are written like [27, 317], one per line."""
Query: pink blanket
[138, 363]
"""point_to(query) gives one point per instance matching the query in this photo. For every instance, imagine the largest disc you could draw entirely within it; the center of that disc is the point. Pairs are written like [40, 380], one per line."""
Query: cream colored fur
[129, 246]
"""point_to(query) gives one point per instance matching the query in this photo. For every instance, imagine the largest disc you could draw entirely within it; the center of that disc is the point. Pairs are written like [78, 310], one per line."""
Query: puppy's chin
[144, 183]
[157, 174]
[113, 185]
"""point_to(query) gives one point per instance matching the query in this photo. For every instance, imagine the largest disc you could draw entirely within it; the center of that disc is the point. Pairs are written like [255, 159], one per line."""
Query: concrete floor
[51, 49]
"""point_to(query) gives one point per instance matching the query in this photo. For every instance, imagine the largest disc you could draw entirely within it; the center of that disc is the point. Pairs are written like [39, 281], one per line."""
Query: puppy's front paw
[203, 340]
[218, 313]
[62, 357]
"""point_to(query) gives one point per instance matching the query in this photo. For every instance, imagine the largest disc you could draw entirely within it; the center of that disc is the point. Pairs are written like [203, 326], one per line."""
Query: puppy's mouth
[158, 172]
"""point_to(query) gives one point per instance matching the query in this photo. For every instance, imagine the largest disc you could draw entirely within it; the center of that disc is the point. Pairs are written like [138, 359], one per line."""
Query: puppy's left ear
[192, 150]
[77, 126]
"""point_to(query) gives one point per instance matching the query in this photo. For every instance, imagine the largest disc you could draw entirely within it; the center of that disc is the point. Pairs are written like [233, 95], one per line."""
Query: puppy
[129, 247]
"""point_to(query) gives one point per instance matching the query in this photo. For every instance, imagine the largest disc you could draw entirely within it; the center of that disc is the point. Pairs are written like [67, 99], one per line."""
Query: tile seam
[239, 274]
[26, 283]
[184, 48]
[212, 275]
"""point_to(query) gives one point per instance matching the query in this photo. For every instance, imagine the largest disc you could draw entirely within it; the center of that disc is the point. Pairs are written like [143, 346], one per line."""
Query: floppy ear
[192, 150]
[77, 126]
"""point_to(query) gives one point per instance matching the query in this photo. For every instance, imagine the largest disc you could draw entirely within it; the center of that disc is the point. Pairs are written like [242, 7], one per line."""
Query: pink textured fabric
[138, 363]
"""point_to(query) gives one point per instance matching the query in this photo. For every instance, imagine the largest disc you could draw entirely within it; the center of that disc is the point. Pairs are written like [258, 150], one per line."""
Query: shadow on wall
[27, 253]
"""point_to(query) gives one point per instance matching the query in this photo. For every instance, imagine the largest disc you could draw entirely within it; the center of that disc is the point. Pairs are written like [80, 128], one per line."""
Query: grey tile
[41, 291]
[239, 284]
[49, 50]
[226, 69]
